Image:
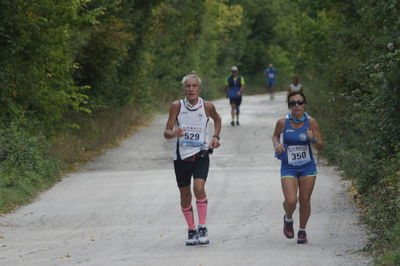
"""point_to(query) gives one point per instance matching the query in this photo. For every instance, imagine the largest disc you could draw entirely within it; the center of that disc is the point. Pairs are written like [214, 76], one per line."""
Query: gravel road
[123, 209]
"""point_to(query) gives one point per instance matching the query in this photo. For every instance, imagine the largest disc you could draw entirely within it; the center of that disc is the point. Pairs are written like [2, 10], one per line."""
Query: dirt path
[123, 209]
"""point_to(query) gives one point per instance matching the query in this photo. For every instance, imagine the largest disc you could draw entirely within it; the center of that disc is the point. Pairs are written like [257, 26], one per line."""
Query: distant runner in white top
[188, 123]
[295, 86]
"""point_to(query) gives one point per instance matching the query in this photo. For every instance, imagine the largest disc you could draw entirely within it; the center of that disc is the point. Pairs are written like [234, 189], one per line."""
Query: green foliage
[37, 61]
[186, 39]
[352, 52]
[217, 44]
[25, 167]
[174, 44]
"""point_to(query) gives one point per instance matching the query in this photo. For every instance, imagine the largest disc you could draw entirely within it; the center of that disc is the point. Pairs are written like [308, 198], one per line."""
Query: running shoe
[203, 236]
[288, 228]
[237, 123]
[302, 237]
[192, 238]
[232, 123]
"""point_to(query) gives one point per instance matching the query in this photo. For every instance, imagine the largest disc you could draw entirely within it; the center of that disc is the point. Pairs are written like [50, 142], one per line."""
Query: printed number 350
[298, 155]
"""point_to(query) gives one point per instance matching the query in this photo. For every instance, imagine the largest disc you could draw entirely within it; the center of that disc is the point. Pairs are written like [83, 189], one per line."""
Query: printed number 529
[192, 136]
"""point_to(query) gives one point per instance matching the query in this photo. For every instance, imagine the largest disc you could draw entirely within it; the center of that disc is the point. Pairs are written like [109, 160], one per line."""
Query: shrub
[25, 168]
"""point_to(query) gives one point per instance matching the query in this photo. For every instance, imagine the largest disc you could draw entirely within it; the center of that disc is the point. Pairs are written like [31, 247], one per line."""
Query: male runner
[188, 123]
[234, 86]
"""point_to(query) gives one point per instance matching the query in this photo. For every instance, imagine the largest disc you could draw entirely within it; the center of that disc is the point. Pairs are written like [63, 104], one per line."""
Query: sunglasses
[294, 103]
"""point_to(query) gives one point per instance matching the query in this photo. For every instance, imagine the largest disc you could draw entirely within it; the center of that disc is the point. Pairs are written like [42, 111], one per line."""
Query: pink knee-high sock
[188, 213]
[202, 210]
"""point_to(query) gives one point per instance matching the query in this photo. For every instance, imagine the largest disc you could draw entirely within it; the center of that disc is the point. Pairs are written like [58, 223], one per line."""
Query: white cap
[234, 68]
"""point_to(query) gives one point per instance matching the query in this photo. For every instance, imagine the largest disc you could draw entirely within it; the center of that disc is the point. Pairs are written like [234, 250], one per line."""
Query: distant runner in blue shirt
[234, 86]
[271, 75]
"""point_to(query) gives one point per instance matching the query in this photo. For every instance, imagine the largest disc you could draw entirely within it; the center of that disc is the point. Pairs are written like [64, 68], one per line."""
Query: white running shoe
[203, 236]
[192, 238]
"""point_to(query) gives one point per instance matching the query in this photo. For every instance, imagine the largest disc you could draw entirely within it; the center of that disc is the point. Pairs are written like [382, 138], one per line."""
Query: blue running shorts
[290, 171]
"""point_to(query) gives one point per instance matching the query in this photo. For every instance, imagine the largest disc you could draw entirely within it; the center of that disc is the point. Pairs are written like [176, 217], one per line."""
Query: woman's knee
[292, 201]
[304, 201]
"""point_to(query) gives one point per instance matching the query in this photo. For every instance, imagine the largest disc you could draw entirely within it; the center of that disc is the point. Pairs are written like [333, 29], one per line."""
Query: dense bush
[353, 55]
[25, 168]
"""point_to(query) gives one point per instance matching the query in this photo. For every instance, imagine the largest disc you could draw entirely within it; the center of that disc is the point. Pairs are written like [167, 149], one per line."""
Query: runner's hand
[279, 148]
[179, 132]
[310, 134]
[214, 143]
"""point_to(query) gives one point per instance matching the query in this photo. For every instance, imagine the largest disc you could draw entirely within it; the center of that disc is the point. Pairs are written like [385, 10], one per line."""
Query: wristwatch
[217, 137]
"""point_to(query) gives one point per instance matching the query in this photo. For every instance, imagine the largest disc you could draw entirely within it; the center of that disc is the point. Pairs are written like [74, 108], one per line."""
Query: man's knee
[185, 192]
[199, 190]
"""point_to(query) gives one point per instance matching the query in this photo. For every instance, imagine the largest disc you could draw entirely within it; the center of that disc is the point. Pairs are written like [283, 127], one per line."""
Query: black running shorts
[235, 101]
[184, 170]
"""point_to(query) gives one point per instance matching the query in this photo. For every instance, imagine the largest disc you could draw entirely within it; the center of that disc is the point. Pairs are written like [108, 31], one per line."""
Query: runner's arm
[212, 112]
[169, 131]
[278, 146]
[317, 140]
[242, 86]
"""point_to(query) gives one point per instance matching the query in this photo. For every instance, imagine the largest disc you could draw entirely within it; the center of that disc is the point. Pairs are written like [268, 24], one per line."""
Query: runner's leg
[289, 188]
[201, 199]
[237, 109]
[186, 206]
[199, 188]
[306, 186]
[272, 90]
[201, 203]
[233, 113]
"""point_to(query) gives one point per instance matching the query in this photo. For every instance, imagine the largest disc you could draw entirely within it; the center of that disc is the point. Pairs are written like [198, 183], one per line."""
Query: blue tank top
[297, 144]
[234, 86]
[270, 72]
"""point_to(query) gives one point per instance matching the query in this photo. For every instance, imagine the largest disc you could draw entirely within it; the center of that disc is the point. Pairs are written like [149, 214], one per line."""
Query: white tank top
[194, 122]
[297, 87]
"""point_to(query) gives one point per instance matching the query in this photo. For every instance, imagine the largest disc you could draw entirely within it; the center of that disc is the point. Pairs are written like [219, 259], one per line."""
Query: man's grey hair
[189, 76]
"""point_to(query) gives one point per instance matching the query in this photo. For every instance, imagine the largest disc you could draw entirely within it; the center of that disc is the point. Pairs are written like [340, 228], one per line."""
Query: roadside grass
[390, 247]
[30, 165]
[77, 147]
[25, 167]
